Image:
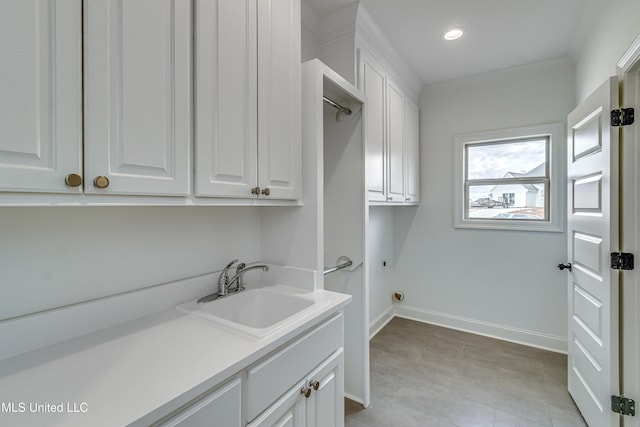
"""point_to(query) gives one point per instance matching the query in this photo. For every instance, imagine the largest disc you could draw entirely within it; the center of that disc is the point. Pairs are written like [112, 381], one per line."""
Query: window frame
[554, 189]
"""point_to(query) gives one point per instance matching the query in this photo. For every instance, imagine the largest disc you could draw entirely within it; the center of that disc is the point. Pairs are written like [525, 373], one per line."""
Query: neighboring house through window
[511, 179]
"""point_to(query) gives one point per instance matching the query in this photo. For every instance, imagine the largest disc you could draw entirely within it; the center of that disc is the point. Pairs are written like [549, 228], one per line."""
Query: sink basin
[257, 312]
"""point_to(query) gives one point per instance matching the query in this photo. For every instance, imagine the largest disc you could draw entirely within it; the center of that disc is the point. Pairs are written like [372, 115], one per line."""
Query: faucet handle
[223, 279]
[230, 264]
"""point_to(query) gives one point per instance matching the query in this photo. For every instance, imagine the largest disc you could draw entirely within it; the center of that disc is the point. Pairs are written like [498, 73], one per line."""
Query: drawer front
[271, 378]
[220, 408]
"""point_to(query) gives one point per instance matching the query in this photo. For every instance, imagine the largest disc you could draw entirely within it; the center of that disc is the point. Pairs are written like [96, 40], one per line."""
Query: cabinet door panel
[412, 152]
[395, 146]
[279, 97]
[137, 95]
[226, 98]
[40, 95]
[288, 411]
[325, 408]
[373, 85]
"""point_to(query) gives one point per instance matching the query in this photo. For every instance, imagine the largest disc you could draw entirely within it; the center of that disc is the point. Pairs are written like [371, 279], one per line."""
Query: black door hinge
[623, 405]
[622, 117]
[622, 261]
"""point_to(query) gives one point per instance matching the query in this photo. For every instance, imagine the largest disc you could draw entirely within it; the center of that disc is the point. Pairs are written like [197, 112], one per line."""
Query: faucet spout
[238, 279]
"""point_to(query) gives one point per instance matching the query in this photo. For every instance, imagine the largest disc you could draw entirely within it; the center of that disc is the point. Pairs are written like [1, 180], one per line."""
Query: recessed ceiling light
[453, 34]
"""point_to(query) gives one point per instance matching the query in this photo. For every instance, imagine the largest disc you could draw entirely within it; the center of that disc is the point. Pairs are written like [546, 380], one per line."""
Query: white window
[510, 179]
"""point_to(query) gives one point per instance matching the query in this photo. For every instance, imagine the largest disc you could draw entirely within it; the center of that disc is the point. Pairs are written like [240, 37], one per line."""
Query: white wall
[504, 278]
[381, 248]
[55, 256]
[605, 36]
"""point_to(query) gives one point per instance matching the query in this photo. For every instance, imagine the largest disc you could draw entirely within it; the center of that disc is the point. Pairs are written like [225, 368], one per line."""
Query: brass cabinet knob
[255, 190]
[101, 182]
[315, 384]
[266, 191]
[73, 180]
[306, 392]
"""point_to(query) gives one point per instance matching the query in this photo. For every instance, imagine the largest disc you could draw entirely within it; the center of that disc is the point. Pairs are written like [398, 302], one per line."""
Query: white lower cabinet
[218, 408]
[314, 401]
[300, 383]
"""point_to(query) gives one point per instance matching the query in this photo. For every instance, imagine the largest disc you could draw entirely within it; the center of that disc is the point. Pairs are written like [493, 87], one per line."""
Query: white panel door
[372, 82]
[40, 94]
[226, 98]
[137, 58]
[279, 98]
[412, 152]
[395, 143]
[325, 406]
[593, 344]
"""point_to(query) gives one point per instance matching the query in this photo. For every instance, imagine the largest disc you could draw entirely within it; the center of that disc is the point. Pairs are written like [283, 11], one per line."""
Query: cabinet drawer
[272, 377]
[219, 408]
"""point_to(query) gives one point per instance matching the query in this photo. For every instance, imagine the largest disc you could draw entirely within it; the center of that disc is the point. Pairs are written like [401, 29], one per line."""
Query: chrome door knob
[266, 191]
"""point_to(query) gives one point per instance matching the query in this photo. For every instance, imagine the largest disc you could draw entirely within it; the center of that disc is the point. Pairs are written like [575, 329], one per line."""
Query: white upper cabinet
[395, 142]
[412, 152]
[374, 86]
[248, 98]
[98, 98]
[41, 95]
[226, 98]
[137, 75]
[392, 152]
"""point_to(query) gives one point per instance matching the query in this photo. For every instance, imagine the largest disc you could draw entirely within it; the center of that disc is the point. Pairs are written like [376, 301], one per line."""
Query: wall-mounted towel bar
[343, 262]
[334, 104]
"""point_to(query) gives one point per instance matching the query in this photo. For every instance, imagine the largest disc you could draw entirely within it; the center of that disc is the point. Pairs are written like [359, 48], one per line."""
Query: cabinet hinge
[622, 117]
[622, 261]
[623, 405]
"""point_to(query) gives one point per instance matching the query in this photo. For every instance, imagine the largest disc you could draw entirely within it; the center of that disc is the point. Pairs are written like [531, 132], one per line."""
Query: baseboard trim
[519, 336]
[381, 321]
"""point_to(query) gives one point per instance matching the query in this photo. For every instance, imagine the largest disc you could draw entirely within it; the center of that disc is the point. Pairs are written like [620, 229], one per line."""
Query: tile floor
[425, 375]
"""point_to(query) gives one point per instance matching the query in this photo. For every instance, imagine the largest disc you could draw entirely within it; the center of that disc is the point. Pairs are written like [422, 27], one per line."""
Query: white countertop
[139, 371]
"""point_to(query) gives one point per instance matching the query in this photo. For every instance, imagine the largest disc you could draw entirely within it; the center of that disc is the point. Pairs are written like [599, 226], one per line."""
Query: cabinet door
[137, 62]
[412, 152]
[325, 407]
[40, 94]
[279, 98]
[374, 86]
[226, 98]
[220, 408]
[395, 143]
[288, 411]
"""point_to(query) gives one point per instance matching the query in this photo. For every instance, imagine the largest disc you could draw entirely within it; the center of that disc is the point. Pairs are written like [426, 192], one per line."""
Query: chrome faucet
[238, 279]
[225, 283]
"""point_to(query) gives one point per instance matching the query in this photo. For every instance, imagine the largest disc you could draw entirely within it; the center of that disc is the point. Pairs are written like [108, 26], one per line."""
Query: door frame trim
[628, 70]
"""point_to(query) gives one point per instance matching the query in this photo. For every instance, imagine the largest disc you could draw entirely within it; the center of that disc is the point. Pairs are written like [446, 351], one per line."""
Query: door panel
[226, 98]
[41, 93]
[279, 100]
[412, 152]
[373, 85]
[395, 146]
[593, 345]
[137, 95]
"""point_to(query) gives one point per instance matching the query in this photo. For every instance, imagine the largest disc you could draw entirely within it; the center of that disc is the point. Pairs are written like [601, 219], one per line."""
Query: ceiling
[499, 34]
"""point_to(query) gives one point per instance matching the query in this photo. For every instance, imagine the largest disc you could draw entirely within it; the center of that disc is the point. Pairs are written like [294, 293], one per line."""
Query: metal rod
[346, 262]
[334, 104]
